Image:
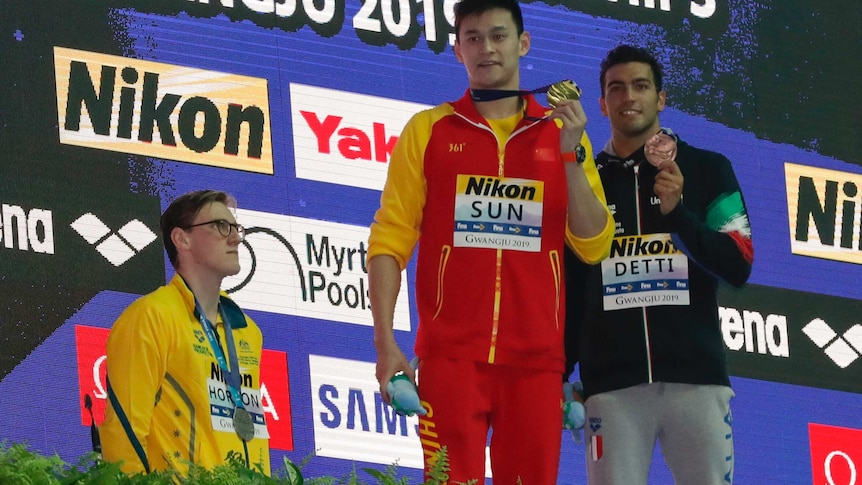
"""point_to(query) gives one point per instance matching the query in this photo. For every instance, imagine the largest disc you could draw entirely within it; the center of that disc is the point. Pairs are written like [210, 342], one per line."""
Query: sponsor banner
[163, 110]
[352, 421]
[825, 212]
[273, 399]
[61, 245]
[836, 455]
[308, 268]
[111, 240]
[378, 22]
[792, 337]
[345, 138]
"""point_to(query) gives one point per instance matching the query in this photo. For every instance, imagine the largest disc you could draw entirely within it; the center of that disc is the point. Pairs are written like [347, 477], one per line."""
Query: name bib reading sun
[498, 213]
[644, 271]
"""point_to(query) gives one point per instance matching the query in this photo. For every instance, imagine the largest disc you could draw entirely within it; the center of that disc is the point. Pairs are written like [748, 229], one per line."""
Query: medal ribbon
[495, 94]
[233, 378]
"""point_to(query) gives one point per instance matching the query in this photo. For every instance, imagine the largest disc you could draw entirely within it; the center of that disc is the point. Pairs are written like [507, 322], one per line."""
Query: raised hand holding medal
[661, 151]
[564, 97]
[661, 148]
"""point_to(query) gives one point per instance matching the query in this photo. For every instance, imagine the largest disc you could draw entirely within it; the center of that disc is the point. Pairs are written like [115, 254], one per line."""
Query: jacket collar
[230, 310]
[467, 108]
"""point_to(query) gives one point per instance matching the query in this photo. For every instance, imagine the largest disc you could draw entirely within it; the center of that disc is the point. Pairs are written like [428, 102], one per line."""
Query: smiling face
[632, 102]
[490, 48]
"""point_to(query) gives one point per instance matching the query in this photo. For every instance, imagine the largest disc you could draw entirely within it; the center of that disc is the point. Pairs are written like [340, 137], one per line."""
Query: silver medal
[243, 424]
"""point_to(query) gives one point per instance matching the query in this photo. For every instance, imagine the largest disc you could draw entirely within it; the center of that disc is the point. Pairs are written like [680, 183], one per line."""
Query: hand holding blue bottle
[403, 396]
[574, 413]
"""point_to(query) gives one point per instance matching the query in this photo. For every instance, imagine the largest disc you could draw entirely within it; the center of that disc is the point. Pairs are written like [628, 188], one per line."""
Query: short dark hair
[623, 54]
[466, 8]
[182, 212]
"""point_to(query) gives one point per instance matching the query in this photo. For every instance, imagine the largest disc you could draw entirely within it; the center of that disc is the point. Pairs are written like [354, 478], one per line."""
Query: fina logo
[117, 247]
[843, 350]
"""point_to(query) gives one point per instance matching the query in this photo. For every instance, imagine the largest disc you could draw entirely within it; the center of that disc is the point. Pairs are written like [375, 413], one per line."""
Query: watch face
[580, 153]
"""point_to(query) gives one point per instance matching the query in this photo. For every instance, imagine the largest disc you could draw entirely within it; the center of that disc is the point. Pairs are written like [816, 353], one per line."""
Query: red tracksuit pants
[521, 408]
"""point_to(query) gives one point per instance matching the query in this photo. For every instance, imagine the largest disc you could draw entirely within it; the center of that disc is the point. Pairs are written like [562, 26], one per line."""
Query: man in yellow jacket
[183, 362]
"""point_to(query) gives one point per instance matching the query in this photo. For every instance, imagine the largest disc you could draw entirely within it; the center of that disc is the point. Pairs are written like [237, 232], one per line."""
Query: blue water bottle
[574, 413]
[404, 396]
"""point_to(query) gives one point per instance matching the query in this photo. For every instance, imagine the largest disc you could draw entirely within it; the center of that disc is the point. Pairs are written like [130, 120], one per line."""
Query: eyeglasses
[224, 227]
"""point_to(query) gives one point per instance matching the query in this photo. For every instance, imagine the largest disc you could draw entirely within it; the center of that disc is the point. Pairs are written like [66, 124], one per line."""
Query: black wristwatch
[579, 155]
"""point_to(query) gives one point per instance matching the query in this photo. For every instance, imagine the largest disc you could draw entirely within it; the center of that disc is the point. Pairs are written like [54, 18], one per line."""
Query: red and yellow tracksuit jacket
[490, 219]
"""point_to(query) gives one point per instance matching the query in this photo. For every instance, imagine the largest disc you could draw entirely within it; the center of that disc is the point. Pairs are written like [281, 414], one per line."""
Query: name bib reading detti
[644, 271]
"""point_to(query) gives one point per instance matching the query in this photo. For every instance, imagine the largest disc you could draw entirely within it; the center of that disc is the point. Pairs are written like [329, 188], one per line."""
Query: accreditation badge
[226, 417]
[498, 213]
[644, 271]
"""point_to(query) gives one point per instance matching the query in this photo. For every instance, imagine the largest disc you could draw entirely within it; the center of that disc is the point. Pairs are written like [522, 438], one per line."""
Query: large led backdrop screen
[108, 110]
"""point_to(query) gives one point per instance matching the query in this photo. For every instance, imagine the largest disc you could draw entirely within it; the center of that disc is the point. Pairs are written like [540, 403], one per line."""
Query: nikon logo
[494, 187]
[824, 211]
[163, 111]
[629, 246]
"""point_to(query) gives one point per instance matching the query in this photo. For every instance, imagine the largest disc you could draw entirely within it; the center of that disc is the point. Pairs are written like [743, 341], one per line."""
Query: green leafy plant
[20, 465]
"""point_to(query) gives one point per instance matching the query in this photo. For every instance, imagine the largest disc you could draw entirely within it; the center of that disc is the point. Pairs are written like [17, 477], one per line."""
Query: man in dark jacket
[644, 324]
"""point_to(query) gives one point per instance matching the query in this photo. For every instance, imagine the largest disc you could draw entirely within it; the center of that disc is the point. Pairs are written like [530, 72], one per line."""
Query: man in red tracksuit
[494, 190]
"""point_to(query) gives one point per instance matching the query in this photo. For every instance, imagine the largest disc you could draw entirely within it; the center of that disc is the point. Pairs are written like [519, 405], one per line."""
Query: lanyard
[556, 92]
[232, 375]
[495, 94]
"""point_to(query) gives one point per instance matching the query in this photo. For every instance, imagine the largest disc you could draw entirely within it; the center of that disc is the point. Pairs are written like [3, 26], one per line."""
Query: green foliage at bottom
[19, 465]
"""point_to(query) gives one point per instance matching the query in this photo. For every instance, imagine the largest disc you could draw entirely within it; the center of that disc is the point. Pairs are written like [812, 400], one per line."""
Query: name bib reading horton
[644, 271]
[498, 213]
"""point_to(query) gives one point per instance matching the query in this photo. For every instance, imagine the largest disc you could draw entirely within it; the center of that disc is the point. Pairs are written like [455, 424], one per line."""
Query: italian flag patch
[727, 214]
[596, 450]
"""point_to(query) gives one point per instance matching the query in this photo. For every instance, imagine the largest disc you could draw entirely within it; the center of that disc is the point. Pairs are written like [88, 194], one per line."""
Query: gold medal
[563, 90]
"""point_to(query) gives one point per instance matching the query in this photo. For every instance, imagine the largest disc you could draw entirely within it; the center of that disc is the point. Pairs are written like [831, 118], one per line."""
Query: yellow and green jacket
[168, 403]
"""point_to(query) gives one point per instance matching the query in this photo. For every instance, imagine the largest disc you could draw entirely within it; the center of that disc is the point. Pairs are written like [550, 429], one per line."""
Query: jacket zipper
[498, 270]
[643, 309]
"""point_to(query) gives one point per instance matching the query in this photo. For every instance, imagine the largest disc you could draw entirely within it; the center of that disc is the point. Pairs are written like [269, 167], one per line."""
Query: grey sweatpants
[693, 423]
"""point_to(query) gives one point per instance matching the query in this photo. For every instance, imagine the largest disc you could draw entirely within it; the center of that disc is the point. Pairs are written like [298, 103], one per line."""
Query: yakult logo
[308, 268]
[345, 138]
[161, 110]
[836, 454]
[274, 388]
